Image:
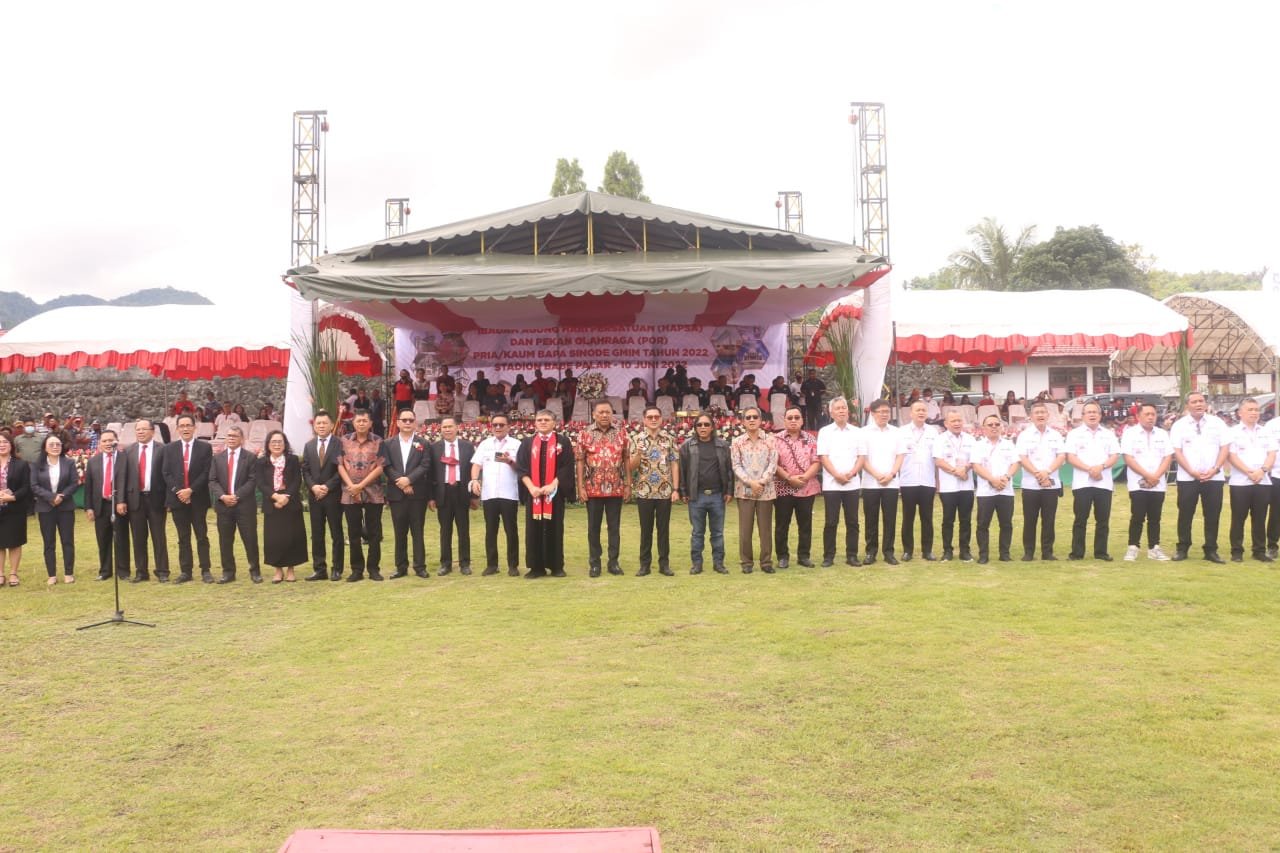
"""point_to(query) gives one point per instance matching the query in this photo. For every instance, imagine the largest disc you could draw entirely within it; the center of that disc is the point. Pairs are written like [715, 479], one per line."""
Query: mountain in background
[14, 307]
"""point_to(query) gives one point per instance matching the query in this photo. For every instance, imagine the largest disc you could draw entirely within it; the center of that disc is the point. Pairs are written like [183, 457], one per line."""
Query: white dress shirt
[1273, 430]
[1252, 447]
[1041, 448]
[955, 450]
[882, 447]
[1149, 448]
[497, 479]
[997, 458]
[918, 468]
[1200, 442]
[1092, 447]
[842, 447]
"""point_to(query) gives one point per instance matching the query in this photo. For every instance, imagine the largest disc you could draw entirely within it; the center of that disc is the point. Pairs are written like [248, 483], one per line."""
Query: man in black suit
[186, 479]
[143, 502]
[324, 496]
[405, 462]
[103, 483]
[235, 506]
[450, 470]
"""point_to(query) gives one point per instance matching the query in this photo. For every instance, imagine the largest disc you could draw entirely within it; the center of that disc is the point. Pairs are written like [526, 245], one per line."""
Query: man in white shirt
[952, 454]
[840, 450]
[1201, 444]
[495, 482]
[1091, 450]
[1252, 453]
[1273, 510]
[1042, 451]
[880, 467]
[917, 481]
[225, 419]
[995, 460]
[1148, 453]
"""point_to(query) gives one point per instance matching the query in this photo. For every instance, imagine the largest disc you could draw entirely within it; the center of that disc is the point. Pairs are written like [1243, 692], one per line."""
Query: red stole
[543, 471]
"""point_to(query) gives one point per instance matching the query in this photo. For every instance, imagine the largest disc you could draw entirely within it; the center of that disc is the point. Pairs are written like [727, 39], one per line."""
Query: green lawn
[931, 705]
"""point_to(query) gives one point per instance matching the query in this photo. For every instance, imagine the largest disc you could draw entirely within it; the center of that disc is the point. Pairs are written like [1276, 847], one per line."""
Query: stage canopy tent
[1236, 333]
[588, 260]
[986, 327]
[177, 341]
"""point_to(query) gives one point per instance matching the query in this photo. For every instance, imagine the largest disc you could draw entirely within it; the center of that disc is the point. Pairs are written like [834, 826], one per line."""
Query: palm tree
[991, 263]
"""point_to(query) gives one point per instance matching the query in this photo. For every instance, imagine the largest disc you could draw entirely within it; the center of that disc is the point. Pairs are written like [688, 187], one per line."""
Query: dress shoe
[162, 578]
[828, 563]
[124, 576]
[768, 570]
[335, 574]
[206, 577]
[1006, 558]
[594, 572]
[615, 569]
[464, 570]
[783, 562]
[720, 570]
[1106, 558]
[643, 571]
[1273, 552]
[805, 562]
[929, 557]
[534, 574]
[746, 570]
[853, 560]
[103, 577]
[982, 560]
[1179, 556]
[227, 577]
[1028, 557]
[317, 575]
[139, 578]
[906, 556]
[1049, 558]
[869, 560]
[255, 576]
[890, 559]
[375, 575]
[355, 577]
[558, 573]
[695, 570]
[398, 573]
[1237, 558]
[948, 555]
[422, 572]
[1264, 558]
[513, 572]
[1074, 557]
[490, 570]
[184, 577]
[444, 570]
[666, 570]
[966, 556]
[1214, 557]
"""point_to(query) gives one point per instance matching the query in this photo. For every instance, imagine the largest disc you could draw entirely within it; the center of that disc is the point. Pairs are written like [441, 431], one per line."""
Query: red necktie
[186, 461]
[142, 467]
[453, 464]
[231, 461]
[106, 481]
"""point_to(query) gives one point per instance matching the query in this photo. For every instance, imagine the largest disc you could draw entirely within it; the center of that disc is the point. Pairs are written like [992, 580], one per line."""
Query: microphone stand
[118, 618]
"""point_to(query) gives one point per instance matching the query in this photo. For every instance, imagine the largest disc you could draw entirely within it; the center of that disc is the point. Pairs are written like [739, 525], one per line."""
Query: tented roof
[1237, 331]
[587, 260]
[178, 341]
[984, 327]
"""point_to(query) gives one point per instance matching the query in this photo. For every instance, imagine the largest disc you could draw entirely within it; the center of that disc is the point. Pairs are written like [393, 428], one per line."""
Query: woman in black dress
[54, 482]
[15, 501]
[284, 536]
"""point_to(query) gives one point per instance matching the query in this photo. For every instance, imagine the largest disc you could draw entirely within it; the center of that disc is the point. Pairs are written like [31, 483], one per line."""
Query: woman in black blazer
[15, 501]
[284, 535]
[54, 481]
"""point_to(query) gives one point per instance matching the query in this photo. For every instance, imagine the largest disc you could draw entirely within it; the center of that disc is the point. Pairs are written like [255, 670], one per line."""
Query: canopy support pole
[897, 395]
[591, 236]
[535, 238]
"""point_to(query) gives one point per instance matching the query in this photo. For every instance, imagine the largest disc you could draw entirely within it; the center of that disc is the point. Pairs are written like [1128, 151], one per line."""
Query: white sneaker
[1154, 553]
[1131, 553]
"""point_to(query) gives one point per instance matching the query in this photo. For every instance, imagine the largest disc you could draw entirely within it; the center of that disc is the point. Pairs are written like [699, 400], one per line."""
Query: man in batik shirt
[654, 466]
[602, 480]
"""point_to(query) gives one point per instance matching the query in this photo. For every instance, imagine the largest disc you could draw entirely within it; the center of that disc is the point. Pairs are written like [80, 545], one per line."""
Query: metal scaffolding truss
[397, 216]
[308, 129]
[1234, 332]
[871, 172]
[791, 211]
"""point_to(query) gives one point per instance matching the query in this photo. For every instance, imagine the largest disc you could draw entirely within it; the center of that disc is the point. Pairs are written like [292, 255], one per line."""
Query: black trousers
[802, 508]
[1039, 507]
[243, 519]
[610, 510]
[878, 504]
[953, 504]
[917, 499]
[813, 416]
[148, 522]
[1145, 507]
[367, 517]
[112, 536]
[544, 540]
[454, 509]
[833, 504]
[408, 517]
[327, 513]
[500, 510]
[55, 525]
[1247, 502]
[654, 512]
[1084, 500]
[1273, 514]
[188, 518]
[1209, 496]
[1001, 506]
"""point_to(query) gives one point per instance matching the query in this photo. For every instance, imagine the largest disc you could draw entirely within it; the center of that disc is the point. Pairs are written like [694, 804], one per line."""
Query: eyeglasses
[406, 420]
[496, 425]
[751, 417]
[703, 424]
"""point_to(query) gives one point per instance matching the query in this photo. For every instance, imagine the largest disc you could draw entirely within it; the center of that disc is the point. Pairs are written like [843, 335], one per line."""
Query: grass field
[930, 705]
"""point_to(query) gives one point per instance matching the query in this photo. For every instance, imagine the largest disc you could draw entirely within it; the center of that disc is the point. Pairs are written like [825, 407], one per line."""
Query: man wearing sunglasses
[755, 461]
[654, 468]
[706, 484]
[495, 482]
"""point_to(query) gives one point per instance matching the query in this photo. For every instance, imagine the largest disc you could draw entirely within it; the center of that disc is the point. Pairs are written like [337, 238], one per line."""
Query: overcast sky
[146, 145]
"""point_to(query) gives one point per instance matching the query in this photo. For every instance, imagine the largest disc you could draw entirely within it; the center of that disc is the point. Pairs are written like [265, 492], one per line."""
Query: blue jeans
[701, 508]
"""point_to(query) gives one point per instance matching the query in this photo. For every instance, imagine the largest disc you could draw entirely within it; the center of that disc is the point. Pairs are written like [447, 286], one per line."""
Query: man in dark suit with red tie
[405, 458]
[103, 483]
[235, 506]
[186, 478]
[324, 496]
[143, 502]
[450, 470]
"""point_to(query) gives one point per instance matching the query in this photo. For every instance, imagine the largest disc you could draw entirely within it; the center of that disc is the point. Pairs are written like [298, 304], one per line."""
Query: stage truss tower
[397, 216]
[790, 206]
[309, 128]
[872, 177]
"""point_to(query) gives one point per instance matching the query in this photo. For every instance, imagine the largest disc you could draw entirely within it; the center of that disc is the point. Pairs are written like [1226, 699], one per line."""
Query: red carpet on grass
[643, 839]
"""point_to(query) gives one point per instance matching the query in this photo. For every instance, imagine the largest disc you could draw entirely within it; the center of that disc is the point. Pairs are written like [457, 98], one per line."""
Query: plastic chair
[1017, 414]
[525, 408]
[424, 410]
[667, 406]
[778, 409]
[746, 401]
[718, 401]
[580, 412]
[470, 411]
[985, 411]
[618, 406]
[690, 403]
[635, 408]
[970, 414]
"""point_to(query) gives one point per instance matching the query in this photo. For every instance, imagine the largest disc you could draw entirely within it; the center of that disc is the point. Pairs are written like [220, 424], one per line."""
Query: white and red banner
[618, 352]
